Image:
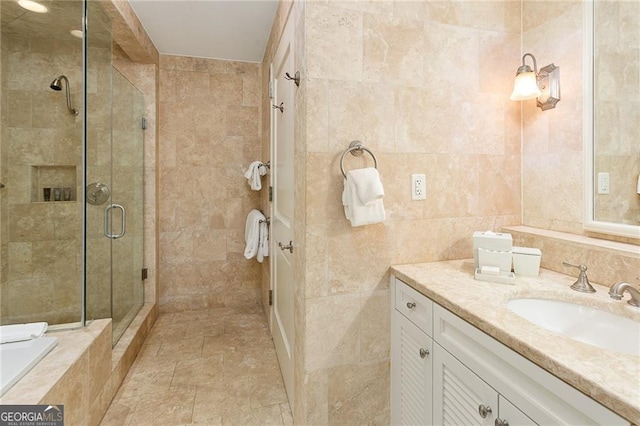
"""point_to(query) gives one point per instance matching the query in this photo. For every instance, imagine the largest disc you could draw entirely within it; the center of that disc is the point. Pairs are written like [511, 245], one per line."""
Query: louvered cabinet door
[411, 373]
[459, 396]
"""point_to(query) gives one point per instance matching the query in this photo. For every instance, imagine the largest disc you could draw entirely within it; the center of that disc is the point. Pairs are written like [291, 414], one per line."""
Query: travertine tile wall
[553, 154]
[425, 86]
[209, 133]
[552, 175]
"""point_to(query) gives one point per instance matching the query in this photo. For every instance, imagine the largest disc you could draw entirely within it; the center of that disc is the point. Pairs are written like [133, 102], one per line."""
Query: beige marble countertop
[612, 378]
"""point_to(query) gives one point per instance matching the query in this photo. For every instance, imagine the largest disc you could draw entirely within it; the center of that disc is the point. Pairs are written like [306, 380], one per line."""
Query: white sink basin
[582, 323]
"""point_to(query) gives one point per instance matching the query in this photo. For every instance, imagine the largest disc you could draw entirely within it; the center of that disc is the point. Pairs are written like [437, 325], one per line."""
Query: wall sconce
[543, 85]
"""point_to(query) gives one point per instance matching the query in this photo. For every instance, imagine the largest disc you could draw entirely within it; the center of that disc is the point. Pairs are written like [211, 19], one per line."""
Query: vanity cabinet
[467, 377]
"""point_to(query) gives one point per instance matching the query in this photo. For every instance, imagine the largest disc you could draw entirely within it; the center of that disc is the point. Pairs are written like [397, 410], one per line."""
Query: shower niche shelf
[53, 177]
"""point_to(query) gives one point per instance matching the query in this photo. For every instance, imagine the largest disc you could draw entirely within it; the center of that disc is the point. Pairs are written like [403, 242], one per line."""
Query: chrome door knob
[284, 247]
[424, 352]
[500, 422]
[411, 305]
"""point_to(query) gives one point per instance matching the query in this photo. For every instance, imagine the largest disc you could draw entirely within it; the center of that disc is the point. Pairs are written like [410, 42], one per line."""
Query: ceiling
[235, 30]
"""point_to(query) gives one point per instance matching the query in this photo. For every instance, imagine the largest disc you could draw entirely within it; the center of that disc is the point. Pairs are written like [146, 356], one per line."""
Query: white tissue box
[526, 261]
[488, 240]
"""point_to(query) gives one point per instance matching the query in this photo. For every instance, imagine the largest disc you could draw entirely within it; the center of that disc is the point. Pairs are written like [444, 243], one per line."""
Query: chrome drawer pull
[411, 305]
[484, 411]
[424, 352]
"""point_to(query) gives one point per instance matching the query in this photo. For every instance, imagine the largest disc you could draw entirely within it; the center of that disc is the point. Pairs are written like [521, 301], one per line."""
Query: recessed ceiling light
[32, 6]
[76, 33]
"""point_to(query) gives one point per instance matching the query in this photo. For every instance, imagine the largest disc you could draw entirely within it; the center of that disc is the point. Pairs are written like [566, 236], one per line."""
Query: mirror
[612, 117]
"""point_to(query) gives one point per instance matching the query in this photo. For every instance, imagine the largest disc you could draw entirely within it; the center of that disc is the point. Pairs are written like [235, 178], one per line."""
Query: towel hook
[295, 78]
[280, 107]
[356, 148]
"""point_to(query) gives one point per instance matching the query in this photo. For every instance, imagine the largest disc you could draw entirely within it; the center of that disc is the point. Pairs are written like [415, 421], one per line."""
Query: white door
[282, 244]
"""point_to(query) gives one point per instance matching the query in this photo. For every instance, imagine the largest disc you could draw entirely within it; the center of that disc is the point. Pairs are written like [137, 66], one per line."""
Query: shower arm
[56, 85]
[68, 91]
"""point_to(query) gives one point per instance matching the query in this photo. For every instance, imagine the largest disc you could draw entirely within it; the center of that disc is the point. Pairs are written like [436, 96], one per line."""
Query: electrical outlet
[603, 183]
[418, 187]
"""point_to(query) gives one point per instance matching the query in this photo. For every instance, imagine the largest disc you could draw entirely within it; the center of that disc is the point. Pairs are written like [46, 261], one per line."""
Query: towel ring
[356, 148]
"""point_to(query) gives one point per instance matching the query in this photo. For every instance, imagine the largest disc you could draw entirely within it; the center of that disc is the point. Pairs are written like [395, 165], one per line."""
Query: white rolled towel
[254, 174]
[20, 332]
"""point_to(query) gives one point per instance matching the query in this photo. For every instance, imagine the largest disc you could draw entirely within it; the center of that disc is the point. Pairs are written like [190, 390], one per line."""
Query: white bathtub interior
[18, 358]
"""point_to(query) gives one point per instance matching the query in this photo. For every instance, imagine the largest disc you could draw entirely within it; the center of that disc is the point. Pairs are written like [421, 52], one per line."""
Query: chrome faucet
[617, 291]
[582, 284]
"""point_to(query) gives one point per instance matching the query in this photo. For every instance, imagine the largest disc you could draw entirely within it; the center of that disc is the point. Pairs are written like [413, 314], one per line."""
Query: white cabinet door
[411, 377]
[459, 396]
[510, 415]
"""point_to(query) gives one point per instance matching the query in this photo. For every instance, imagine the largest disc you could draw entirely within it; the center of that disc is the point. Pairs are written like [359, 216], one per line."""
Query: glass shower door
[126, 215]
[114, 183]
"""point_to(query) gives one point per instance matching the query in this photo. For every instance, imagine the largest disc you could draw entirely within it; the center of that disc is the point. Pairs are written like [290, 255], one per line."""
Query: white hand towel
[263, 241]
[252, 233]
[20, 332]
[358, 213]
[254, 173]
[367, 183]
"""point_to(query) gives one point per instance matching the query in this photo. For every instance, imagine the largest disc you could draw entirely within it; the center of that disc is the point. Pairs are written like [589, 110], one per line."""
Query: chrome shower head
[56, 85]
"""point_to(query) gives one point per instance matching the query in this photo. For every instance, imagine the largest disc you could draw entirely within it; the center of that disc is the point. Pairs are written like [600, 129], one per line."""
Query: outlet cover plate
[418, 186]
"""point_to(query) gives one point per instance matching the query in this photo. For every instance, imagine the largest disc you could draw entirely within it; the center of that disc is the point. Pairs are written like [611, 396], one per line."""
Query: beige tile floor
[211, 367]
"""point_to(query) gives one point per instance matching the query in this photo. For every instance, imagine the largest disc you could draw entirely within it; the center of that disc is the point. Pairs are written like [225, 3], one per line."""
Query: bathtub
[83, 372]
[17, 358]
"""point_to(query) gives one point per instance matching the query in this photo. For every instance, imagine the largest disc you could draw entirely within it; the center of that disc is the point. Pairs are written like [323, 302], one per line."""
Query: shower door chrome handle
[107, 232]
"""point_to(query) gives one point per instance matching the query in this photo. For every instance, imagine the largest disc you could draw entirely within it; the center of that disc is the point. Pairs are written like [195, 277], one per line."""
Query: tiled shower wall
[41, 245]
[210, 131]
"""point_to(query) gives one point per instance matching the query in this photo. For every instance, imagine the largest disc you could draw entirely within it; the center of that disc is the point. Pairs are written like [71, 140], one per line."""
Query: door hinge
[145, 273]
[271, 90]
[270, 193]
[270, 297]
[144, 123]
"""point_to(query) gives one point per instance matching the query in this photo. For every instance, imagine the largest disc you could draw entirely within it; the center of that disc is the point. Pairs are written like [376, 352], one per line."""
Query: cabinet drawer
[416, 307]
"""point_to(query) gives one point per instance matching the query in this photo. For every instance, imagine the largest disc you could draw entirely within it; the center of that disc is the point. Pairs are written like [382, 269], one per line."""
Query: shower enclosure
[69, 121]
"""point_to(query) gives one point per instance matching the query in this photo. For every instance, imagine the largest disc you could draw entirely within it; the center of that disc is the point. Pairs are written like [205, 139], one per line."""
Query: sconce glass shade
[525, 86]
